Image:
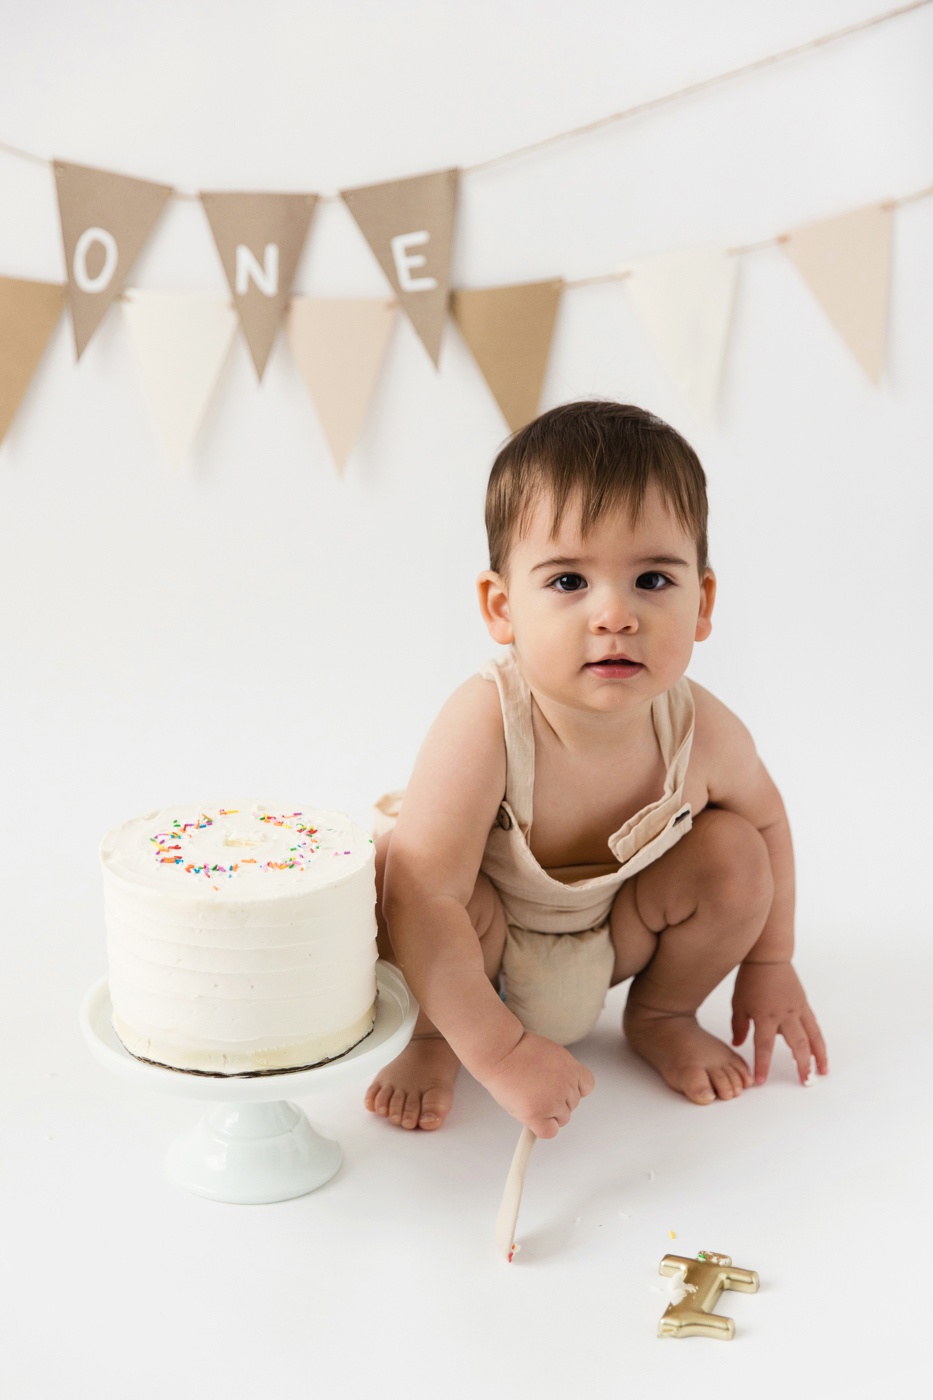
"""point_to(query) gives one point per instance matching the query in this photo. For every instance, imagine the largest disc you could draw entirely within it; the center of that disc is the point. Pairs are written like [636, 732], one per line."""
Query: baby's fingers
[817, 1044]
[793, 1032]
[740, 1025]
[765, 1031]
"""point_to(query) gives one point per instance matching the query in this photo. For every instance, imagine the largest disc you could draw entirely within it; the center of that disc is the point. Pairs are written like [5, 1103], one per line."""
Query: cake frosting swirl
[240, 935]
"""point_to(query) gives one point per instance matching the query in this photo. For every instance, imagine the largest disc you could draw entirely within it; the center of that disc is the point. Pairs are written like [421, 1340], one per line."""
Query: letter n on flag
[409, 225]
[259, 238]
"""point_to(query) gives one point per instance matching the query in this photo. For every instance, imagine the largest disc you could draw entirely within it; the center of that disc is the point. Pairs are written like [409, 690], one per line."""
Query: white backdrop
[260, 625]
[263, 626]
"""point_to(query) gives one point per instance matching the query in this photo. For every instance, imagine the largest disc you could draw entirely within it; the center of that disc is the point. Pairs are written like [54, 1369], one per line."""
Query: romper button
[503, 819]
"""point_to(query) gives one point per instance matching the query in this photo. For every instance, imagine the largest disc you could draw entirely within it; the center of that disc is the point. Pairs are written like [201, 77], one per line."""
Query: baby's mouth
[615, 665]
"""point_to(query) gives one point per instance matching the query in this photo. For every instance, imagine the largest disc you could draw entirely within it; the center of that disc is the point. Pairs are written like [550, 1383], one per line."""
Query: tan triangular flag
[28, 313]
[106, 219]
[846, 262]
[180, 340]
[684, 301]
[409, 224]
[509, 331]
[339, 347]
[259, 238]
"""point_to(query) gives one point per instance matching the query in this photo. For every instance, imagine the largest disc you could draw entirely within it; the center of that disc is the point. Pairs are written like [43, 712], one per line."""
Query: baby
[580, 813]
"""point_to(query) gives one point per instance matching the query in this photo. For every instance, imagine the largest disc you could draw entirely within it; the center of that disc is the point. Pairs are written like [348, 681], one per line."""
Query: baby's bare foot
[690, 1059]
[417, 1089]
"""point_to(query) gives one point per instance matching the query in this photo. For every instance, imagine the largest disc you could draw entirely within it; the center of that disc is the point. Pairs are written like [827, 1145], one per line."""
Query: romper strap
[515, 699]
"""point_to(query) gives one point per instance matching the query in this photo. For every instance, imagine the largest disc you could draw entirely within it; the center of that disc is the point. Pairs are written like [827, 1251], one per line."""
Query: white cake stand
[254, 1146]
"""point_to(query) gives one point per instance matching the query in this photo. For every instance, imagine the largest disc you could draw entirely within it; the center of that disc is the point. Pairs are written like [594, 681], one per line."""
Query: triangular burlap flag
[684, 301]
[509, 331]
[409, 224]
[106, 219]
[181, 340]
[259, 238]
[28, 313]
[339, 347]
[846, 262]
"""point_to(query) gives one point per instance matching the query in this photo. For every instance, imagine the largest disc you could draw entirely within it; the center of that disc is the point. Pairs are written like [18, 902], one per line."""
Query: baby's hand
[539, 1083]
[770, 994]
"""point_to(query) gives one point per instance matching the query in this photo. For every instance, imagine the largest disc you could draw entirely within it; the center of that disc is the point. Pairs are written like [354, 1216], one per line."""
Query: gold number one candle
[704, 1278]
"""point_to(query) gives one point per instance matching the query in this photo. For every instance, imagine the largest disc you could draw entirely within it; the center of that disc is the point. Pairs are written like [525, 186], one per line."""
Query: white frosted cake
[241, 936]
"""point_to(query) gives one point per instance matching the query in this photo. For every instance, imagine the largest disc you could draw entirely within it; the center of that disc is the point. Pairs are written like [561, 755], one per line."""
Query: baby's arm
[767, 991]
[434, 858]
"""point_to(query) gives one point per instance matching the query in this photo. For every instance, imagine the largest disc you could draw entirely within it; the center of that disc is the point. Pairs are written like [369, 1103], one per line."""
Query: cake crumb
[810, 1080]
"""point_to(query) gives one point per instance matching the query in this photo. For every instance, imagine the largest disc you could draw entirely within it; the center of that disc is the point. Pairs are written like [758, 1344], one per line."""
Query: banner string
[753, 247]
[649, 105]
[693, 88]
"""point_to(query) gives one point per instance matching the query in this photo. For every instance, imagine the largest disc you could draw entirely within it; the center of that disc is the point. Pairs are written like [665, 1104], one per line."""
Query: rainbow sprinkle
[169, 845]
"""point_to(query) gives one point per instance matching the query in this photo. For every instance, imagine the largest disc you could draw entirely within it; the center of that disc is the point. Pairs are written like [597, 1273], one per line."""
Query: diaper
[556, 983]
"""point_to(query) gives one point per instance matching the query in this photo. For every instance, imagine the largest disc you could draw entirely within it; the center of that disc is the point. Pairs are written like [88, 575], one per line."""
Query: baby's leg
[680, 926]
[417, 1089]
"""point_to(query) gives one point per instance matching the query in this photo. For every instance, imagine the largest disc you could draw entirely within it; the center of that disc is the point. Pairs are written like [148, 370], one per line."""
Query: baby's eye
[652, 582]
[568, 583]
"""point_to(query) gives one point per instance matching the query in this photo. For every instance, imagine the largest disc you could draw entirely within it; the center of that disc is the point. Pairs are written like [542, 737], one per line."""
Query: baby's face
[607, 622]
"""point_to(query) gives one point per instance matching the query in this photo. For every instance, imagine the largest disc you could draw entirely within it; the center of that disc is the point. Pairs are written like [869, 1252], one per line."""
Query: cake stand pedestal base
[253, 1153]
[253, 1147]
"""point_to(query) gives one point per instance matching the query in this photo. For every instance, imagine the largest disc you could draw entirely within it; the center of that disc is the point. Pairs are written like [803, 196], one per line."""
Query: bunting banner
[409, 225]
[846, 263]
[105, 220]
[259, 238]
[509, 332]
[29, 312]
[180, 340]
[339, 347]
[684, 301]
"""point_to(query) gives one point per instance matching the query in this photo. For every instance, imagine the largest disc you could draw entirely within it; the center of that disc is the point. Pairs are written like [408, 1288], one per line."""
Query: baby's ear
[494, 605]
[707, 599]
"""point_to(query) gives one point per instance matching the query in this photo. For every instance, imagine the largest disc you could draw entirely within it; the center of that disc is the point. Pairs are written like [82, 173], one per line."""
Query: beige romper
[558, 958]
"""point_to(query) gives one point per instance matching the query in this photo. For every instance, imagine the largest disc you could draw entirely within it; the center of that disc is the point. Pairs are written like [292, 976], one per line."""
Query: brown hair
[609, 453]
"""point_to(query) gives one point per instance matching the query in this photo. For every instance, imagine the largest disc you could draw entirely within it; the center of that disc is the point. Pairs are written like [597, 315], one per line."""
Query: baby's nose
[613, 612]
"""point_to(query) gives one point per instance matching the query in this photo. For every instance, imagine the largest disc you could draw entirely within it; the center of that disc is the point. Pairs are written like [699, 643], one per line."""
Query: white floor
[385, 1282]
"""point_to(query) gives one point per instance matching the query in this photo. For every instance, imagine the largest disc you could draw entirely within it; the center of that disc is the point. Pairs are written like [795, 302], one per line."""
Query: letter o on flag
[83, 280]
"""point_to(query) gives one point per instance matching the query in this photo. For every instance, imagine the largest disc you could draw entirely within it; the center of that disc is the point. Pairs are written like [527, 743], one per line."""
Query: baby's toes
[722, 1082]
[412, 1111]
[381, 1098]
[697, 1085]
[435, 1106]
[743, 1071]
[735, 1078]
[397, 1106]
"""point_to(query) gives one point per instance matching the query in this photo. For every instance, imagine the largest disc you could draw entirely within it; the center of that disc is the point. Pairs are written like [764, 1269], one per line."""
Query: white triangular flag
[181, 340]
[846, 261]
[685, 303]
[339, 347]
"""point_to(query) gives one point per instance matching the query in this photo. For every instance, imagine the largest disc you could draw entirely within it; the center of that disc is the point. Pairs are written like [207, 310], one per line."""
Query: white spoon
[507, 1218]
